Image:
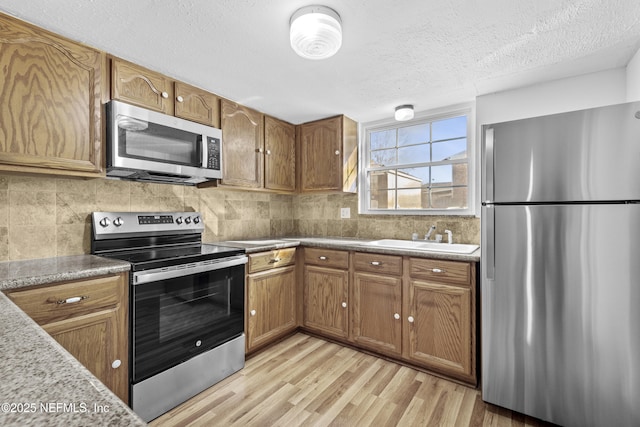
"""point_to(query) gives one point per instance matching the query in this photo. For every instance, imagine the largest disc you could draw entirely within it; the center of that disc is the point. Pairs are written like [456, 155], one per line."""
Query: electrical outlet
[345, 213]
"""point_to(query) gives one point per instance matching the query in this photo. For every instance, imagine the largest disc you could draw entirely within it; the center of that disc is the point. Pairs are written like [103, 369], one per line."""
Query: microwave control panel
[213, 153]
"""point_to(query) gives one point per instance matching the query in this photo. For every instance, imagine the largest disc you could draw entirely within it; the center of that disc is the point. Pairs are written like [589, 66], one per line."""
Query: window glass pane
[441, 175]
[455, 127]
[383, 139]
[417, 134]
[449, 197]
[413, 177]
[382, 180]
[383, 158]
[382, 199]
[413, 198]
[413, 154]
[449, 150]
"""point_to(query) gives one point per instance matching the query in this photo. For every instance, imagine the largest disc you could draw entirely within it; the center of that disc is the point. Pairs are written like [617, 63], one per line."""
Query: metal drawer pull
[274, 260]
[396, 316]
[410, 319]
[116, 364]
[375, 263]
[253, 312]
[344, 305]
[438, 270]
[71, 300]
[323, 258]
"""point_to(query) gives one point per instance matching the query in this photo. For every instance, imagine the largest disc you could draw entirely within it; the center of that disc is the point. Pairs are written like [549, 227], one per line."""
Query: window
[418, 167]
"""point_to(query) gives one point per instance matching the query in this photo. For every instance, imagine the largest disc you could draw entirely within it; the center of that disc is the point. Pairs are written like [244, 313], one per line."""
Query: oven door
[179, 312]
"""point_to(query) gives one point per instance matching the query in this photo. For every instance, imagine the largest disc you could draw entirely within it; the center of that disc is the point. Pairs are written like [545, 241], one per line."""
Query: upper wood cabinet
[243, 146]
[139, 86]
[328, 155]
[279, 155]
[89, 318]
[50, 102]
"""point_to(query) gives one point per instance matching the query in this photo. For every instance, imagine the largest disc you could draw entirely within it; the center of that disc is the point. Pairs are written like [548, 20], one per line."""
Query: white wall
[633, 78]
[569, 94]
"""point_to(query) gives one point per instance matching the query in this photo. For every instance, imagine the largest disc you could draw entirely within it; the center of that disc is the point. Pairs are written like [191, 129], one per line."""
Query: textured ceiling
[430, 53]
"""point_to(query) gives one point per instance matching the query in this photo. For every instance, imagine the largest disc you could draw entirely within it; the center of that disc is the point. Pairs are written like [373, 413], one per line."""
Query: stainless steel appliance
[187, 304]
[561, 266]
[145, 145]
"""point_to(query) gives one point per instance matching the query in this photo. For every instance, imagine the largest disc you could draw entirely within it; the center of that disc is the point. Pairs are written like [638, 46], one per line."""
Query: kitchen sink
[421, 245]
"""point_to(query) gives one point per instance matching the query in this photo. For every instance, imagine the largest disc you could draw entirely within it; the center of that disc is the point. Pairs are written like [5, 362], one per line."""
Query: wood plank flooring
[305, 381]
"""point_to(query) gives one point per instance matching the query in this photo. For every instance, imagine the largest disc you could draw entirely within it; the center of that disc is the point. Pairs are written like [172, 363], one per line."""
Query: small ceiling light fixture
[315, 32]
[404, 112]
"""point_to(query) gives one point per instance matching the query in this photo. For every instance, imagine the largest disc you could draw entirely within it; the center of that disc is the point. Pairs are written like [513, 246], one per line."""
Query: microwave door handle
[202, 149]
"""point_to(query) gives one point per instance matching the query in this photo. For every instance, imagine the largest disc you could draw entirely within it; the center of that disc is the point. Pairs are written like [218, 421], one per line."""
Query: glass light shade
[404, 112]
[315, 32]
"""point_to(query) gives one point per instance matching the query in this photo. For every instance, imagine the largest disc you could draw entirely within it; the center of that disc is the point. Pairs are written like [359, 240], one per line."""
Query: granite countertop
[42, 384]
[18, 274]
[259, 245]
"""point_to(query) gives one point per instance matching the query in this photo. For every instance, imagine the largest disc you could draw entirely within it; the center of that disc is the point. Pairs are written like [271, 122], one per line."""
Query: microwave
[145, 145]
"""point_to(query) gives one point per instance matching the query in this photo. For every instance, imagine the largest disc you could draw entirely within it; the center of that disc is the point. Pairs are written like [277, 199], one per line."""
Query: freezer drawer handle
[438, 270]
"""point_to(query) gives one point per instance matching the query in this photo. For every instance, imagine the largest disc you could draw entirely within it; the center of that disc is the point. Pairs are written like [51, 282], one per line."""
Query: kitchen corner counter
[18, 274]
[258, 245]
[42, 384]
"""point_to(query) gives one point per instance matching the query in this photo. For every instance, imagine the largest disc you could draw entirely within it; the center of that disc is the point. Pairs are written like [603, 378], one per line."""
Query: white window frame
[366, 129]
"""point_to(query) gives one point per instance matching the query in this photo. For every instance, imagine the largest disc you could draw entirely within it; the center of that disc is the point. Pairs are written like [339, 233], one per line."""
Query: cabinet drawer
[376, 263]
[52, 303]
[271, 259]
[442, 271]
[326, 257]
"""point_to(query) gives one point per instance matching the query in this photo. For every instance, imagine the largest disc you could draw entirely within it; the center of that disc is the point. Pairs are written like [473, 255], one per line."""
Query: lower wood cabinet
[440, 313]
[377, 303]
[326, 291]
[89, 318]
[271, 291]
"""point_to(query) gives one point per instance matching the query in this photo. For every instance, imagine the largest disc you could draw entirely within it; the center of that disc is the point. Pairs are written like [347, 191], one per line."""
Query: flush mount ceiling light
[315, 32]
[404, 112]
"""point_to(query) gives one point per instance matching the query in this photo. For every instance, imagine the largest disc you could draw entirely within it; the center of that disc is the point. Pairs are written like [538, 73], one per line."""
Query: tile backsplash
[47, 216]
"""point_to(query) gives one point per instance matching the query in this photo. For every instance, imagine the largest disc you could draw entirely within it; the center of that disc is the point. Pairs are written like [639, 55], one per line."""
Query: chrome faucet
[431, 230]
[449, 236]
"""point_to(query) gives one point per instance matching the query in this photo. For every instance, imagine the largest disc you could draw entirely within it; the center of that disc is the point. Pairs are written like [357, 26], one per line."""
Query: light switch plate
[345, 213]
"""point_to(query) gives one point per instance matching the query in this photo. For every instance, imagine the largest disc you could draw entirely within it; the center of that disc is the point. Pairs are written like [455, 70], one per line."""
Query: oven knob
[179, 220]
[105, 222]
[198, 343]
[196, 219]
[117, 222]
[187, 220]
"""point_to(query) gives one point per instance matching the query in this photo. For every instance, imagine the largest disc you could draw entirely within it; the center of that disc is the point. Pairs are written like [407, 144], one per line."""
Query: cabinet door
[50, 101]
[243, 146]
[439, 323]
[321, 155]
[139, 86]
[271, 305]
[376, 305]
[280, 155]
[197, 105]
[325, 300]
[93, 339]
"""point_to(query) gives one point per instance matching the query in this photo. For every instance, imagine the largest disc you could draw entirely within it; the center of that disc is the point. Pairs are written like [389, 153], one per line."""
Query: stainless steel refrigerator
[561, 266]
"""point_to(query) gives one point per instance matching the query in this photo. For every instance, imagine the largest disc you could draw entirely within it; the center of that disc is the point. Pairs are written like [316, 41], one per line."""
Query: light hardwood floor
[305, 381]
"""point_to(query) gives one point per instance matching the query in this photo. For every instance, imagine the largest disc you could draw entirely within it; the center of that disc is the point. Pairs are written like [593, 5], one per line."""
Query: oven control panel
[126, 224]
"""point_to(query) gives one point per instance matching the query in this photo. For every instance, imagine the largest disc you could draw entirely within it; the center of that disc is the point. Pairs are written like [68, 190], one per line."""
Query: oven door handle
[164, 273]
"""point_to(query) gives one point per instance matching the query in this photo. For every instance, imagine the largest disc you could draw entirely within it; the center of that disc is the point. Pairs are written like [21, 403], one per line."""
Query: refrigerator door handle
[490, 254]
[488, 162]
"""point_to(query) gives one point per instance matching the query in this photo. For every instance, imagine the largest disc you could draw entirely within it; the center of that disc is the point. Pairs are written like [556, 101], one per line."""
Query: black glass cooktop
[145, 259]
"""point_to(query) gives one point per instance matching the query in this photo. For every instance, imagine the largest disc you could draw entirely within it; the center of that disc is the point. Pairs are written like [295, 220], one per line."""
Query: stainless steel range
[187, 304]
